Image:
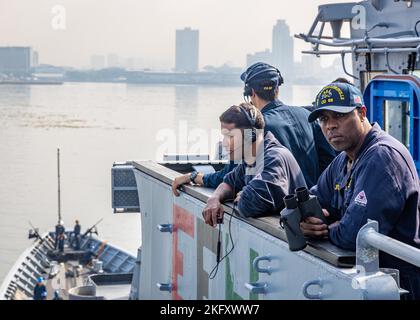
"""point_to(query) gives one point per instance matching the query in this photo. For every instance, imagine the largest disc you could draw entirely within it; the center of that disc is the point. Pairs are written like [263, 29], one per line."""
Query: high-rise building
[15, 61]
[186, 53]
[283, 49]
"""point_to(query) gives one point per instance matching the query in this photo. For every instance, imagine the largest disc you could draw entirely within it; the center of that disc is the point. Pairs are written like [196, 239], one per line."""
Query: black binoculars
[298, 207]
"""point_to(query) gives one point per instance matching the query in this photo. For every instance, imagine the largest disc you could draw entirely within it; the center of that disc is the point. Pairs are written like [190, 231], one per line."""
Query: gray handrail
[393, 247]
[368, 243]
[362, 50]
[361, 41]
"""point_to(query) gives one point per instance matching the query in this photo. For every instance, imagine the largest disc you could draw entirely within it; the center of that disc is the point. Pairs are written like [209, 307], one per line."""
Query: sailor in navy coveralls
[374, 177]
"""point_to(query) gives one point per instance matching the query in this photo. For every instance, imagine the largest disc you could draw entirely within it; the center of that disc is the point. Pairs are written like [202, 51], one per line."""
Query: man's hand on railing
[179, 181]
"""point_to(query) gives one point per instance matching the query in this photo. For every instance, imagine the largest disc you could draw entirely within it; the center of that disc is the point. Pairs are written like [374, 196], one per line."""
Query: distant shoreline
[34, 82]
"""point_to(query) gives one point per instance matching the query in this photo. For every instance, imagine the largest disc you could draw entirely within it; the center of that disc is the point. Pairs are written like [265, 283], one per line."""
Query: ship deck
[66, 278]
[70, 274]
[107, 275]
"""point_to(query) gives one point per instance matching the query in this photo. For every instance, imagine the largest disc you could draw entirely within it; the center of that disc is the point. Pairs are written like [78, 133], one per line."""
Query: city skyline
[102, 67]
[187, 55]
[145, 31]
[186, 66]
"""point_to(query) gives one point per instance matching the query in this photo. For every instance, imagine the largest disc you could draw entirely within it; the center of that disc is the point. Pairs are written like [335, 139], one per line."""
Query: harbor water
[94, 124]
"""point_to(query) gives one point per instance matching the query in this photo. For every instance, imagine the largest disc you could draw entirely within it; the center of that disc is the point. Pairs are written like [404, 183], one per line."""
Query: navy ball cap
[260, 73]
[337, 97]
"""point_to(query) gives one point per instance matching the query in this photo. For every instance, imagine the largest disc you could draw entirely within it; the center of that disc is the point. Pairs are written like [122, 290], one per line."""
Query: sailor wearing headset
[288, 124]
[266, 170]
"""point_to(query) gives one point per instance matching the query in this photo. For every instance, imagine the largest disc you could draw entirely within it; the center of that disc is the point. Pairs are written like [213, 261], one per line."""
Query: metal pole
[392, 246]
[59, 191]
[372, 50]
[361, 41]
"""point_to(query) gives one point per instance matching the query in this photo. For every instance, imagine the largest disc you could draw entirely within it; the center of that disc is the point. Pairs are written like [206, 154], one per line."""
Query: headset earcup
[253, 135]
[250, 135]
[247, 91]
[281, 80]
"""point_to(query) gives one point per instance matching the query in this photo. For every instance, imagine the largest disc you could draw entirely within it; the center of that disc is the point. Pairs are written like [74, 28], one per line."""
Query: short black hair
[266, 90]
[236, 116]
[266, 95]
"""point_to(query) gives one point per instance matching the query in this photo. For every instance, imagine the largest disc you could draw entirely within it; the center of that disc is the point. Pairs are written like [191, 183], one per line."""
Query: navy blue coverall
[382, 185]
[277, 176]
[212, 180]
[61, 238]
[59, 229]
[76, 236]
[40, 292]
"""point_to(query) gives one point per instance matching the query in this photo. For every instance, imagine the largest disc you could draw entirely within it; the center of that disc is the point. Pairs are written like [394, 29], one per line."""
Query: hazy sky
[229, 29]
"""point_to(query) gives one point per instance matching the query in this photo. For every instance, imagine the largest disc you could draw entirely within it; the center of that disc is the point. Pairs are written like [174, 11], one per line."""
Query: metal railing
[369, 241]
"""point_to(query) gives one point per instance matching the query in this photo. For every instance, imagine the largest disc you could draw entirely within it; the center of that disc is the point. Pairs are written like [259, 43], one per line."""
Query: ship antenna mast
[59, 191]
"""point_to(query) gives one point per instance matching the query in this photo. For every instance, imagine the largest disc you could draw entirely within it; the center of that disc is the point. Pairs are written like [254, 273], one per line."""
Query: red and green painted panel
[205, 238]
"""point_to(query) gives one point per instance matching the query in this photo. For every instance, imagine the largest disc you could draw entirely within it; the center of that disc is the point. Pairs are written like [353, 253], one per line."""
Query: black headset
[250, 135]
